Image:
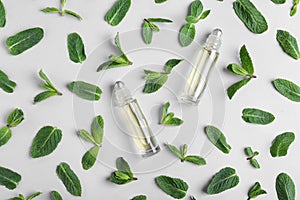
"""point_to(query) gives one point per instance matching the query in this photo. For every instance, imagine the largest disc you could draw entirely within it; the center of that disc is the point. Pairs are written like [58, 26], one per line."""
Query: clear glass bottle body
[136, 122]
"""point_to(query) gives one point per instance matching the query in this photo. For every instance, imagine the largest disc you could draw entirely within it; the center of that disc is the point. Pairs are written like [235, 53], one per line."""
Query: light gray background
[70, 113]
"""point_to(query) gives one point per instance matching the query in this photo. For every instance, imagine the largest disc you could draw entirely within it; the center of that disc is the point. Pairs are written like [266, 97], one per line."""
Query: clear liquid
[198, 77]
[139, 129]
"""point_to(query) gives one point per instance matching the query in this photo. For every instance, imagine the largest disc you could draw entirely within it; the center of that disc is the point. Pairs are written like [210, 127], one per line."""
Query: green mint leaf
[111, 64]
[15, 118]
[255, 191]
[236, 69]
[51, 10]
[5, 135]
[118, 44]
[184, 149]
[2, 15]
[249, 152]
[72, 13]
[174, 121]
[139, 197]
[288, 44]
[204, 14]
[246, 60]
[294, 8]
[160, 1]
[174, 187]
[63, 3]
[195, 160]
[236, 86]
[76, 48]
[97, 129]
[89, 158]
[192, 19]
[285, 187]
[218, 139]
[170, 64]
[278, 1]
[123, 166]
[162, 20]
[164, 111]
[187, 34]
[121, 178]
[196, 8]
[154, 81]
[5, 84]
[45, 141]
[147, 33]
[250, 16]
[34, 195]
[168, 118]
[118, 11]
[86, 136]
[281, 144]
[288, 89]
[43, 96]
[257, 116]
[254, 163]
[85, 90]
[21, 197]
[24, 40]
[69, 179]
[56, 196]
[118, 59]
[175, 151]
[225, 179]
[9, 178]
[154, 27]
[47, 80]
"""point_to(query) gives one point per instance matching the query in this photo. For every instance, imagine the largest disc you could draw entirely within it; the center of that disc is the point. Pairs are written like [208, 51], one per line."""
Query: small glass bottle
[135, 120]
[198, 77]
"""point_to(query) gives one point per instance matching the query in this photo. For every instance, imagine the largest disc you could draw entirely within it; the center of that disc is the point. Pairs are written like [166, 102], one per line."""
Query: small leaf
[118, 11]
[72, 13]
[161, 20]
[123, 166]
[187, 34]
[174, 187]
[86, 136]
[15, 118]
[195, 160]
[288, 44]
[43, 96]
[120, 178]
[90, 157]
[288, 89]
[69, 179]
[154, 81]
[285, 187]
[254, 163]
[257, 116]
[236, 86]
[5, 84]
[175, 151]
[34, 195]
[191, 19]
[236, 69]
[246, 60]
[164, 111]
[2, 15]
[249, 152]
[5, 135]
[170, 64]
[168, 118]
[139, 197]
[76, 48]
[111, 64]
[225, 179]
[24, 40]
[85, 90]
[160, 1]
[281, 144]
[184, 149]
[255, 191]
[196, 8]
[154, 27]
[118, 59]
[51, 10]
[97, 129]
[294, 8]
[218, 139]
[205, 14]
[147, 33]
[45, 141]
[56, 196]
[9, 178]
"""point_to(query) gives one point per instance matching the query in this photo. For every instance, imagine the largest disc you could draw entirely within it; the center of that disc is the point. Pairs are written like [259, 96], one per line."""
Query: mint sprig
[21, 197]
[168, 118]
[62, 11]
[251, 157]
[123, 174]
[149, 27]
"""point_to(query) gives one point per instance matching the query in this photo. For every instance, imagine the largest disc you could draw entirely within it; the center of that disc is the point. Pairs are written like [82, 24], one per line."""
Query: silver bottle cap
[214, 39]
[121, 95]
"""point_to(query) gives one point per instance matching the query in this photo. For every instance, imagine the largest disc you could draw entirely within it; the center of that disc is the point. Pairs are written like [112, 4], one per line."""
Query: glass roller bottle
[135, 120]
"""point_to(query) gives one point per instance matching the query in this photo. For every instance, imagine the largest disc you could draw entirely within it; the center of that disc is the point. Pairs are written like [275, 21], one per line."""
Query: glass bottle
[198, 77]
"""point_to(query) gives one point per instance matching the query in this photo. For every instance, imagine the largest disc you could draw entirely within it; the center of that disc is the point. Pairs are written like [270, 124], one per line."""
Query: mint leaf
[236, 69]
[174, 187]
[285, 187]
[175, 151]
[9, 178]
[164, 20]
[86, 136]
[89, 158]
[2, 15]
[246, 60]
[5, 135]
[218, 139]
[187, 34]
[154, 81]
[257, 116]
[69, 179]
[196, 8]
[255, 191]
[195, 160]
[45, 141]
[123, 166]
[281, 144]
[85, 90]
[254, 163]
[170, 64]
[139, 197]
[168, 118]
[204, 14]
[24, 40]
[288, 89]
[76, 48]
[61, 11]
[34, 195]
[43, 96]
[56, 196]
[15, 118]
[5, 83]
[97, 129]
[288, 44]
[225, 179]
[294, 8]
[192, 19]
[21, 197]
[249, 152]
[250, 16]
[147, 33]
[123, 174]
[51, 10]
[118, 11]
[72, 13]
